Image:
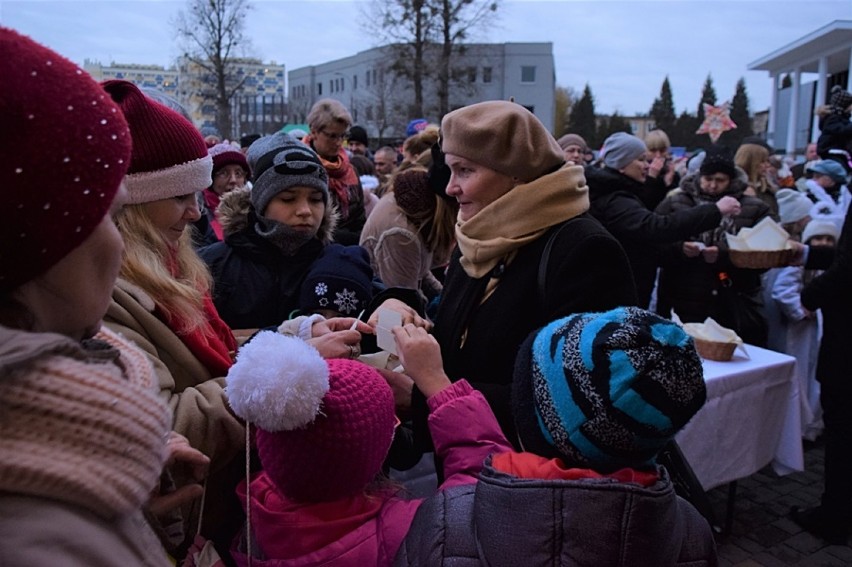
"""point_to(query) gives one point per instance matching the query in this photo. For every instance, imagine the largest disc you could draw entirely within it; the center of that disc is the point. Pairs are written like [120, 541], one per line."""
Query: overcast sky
[623, 50]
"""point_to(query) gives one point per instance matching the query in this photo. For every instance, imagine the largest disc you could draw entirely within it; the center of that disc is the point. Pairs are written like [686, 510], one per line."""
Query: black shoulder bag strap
[545, 260]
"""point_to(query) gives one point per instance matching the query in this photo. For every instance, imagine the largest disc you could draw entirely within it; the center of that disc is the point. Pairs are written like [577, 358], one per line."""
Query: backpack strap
[545, 260]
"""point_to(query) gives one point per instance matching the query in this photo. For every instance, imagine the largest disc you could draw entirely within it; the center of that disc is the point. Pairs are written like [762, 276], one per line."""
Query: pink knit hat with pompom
[324, 427]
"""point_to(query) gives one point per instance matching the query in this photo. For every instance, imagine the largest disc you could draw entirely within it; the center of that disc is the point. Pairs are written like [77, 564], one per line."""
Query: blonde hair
[442, 234]
[328, 111]
[749, 158]
[422, 141]
[657, 140]
[179, 297]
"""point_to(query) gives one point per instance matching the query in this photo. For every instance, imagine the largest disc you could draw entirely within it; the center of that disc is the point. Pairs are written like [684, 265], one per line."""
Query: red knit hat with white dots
[169, 154]
[65, 148]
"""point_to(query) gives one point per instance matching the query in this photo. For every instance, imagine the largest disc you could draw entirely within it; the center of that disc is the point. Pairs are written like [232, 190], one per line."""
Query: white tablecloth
[751, 419]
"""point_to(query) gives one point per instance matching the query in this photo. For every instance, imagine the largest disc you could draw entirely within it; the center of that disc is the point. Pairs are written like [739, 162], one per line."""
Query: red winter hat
[226, 154]
[324, 427]
[65, 149]
[169, 154]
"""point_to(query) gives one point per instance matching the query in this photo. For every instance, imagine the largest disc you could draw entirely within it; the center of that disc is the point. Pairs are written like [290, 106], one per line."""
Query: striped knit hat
[606, 390]
[169, 154]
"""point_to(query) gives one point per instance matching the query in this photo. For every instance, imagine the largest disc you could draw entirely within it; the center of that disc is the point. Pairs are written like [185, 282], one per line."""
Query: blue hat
[341, 280]
[830, 168]
[606, 390]
[416, 126]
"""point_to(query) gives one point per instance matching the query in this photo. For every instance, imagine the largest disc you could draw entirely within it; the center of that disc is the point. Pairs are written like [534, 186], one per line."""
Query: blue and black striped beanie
[606, 390]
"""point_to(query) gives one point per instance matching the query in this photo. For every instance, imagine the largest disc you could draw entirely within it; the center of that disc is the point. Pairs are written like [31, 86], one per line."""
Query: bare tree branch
[212, 33]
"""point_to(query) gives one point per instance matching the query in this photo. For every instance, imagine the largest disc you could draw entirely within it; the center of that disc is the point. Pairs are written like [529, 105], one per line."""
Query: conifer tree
[741, 117]
[582, 120]
[662, 111]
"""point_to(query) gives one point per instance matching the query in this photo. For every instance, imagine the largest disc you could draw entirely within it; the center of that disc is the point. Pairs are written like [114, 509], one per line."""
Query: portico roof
[832, 41]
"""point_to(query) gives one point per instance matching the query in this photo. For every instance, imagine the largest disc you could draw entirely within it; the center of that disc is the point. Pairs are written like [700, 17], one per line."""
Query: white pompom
[277, 382]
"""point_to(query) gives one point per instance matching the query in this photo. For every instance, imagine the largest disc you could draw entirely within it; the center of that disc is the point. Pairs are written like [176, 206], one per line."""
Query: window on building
[319, 88]
[354, 82]
[486, 74]
[527, 73]
[530, 108]
[375, 82]
[471, 74]
[369, 112]
[368, 77]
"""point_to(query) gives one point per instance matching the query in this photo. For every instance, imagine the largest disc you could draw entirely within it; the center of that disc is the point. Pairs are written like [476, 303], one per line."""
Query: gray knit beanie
[606, 390]
[792, 205]
[279, 162]
[621, 148]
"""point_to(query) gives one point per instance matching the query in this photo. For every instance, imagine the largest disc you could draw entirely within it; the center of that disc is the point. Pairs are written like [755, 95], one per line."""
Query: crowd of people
[190, 363]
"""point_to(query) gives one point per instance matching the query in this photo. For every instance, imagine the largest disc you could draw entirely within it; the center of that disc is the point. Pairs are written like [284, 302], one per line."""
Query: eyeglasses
[224, 173]
[333, 137]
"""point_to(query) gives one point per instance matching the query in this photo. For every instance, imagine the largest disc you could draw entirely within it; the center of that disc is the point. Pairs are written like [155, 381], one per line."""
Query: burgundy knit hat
[412, 192]
[227, 154]
[65, 149]
[324, 427]
[169, 154]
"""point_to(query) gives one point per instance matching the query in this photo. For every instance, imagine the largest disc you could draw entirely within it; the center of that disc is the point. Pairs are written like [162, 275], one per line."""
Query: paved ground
[762, 532]
[762, 535]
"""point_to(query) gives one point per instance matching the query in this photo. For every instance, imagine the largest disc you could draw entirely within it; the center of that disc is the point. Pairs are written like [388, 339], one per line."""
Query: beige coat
[398, 253]
[197, 399]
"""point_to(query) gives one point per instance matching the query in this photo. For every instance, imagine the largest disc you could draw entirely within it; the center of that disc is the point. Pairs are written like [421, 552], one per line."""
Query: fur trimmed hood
[235, 208]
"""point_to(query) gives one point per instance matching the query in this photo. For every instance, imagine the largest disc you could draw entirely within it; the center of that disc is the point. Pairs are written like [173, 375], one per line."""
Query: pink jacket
[368, 530]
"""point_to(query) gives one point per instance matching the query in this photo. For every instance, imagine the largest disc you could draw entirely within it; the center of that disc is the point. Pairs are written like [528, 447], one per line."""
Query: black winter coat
[254, 284]
[832, 293]
[616, 203]
[835, 134]
[587, 271]
[696, 289]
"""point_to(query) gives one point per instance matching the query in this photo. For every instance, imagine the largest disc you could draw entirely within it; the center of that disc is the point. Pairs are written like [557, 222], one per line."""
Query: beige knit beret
[503, 136]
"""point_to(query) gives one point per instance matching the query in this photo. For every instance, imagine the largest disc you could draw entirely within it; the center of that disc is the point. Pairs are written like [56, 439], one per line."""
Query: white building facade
[381, 100]
[827, 53]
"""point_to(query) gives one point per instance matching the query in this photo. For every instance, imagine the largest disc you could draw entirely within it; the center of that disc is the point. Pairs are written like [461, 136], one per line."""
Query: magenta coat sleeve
[464, 431]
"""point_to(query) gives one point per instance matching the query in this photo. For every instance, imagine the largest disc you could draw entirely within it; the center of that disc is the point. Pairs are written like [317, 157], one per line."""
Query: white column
[773, 111]
[819, 97]
[849, 74]
[793, 118]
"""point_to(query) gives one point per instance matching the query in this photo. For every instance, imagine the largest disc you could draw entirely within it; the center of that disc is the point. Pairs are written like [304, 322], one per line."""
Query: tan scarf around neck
[519, 217]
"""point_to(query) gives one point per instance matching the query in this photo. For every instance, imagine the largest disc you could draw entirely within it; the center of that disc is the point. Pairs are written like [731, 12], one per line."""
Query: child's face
[301, 208]
[822, 240]
[824, 181]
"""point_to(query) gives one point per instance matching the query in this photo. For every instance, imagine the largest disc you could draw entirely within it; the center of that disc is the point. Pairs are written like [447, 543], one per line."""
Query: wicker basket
[761, 259]
[710, 350]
